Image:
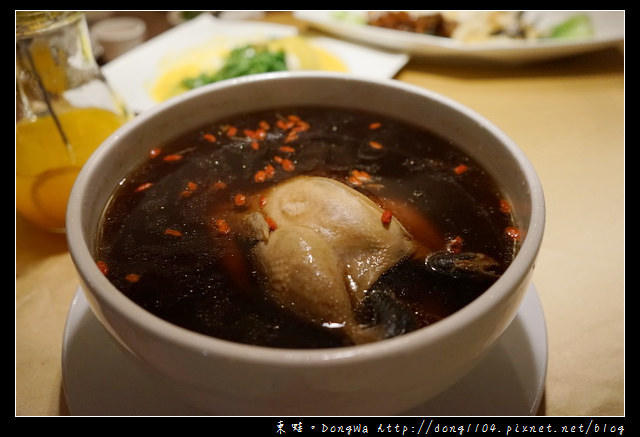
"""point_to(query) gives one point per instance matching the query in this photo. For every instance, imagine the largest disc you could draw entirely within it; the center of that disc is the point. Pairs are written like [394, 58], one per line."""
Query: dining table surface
[568, 117]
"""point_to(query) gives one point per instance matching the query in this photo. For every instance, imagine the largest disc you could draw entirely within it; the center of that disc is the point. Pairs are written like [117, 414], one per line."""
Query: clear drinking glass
[64, 110]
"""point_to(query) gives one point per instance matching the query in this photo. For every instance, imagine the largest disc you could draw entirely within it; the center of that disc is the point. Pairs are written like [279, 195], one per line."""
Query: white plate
[132, 74]
[101, 379]
[609, 31]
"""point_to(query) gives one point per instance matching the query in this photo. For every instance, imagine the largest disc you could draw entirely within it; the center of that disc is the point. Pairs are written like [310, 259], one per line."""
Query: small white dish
[118, 35]
[101, 379]
[132, 75]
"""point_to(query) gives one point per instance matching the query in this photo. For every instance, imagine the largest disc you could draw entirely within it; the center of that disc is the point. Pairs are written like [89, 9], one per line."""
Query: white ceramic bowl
[382, 378]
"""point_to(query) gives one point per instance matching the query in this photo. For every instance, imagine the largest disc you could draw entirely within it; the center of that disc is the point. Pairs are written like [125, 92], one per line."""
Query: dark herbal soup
[186, 235]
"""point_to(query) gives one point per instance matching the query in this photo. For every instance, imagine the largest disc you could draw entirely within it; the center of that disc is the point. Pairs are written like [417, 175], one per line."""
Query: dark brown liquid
[164, 250]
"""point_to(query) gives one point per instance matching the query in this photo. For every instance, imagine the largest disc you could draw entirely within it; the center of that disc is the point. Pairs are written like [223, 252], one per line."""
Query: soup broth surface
[167, 240]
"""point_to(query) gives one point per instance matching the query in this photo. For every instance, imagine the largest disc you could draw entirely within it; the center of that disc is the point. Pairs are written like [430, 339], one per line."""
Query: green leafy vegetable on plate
[242, 61]
[578, 26]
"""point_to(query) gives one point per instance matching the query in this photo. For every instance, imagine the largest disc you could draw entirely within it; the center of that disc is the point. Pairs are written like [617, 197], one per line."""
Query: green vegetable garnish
[578, 26]
[242, 61]
[348, 16]
[188, 15]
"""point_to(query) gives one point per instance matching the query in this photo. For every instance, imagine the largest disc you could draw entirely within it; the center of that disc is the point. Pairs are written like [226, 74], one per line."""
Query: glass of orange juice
[64, 110]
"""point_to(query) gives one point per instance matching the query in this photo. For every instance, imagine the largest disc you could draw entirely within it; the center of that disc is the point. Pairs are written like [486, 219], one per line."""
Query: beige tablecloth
[567, 116]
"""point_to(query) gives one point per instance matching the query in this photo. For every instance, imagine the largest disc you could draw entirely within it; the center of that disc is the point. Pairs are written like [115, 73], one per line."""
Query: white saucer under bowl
[101, 379]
